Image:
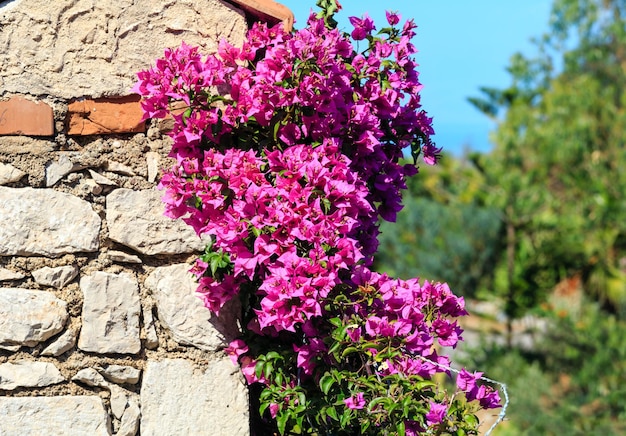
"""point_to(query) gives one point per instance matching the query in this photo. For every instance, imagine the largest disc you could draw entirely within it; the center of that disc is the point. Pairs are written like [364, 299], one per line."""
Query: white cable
[503, 389]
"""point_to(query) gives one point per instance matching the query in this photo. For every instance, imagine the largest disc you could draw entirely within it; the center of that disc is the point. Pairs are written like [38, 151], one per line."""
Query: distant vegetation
[546, 205]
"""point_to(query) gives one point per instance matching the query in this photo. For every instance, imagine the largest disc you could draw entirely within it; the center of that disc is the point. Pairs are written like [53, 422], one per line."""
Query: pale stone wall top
[30, 316]
[183, 312]
[180, 398]
[73, 48]
[110, 313]
[136, 219]
[35, 416]
[69, 224]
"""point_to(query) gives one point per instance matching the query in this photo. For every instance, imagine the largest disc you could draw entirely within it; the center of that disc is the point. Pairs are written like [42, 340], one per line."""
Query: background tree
[445, 231]
[547, 204]
[555, 170]
[556, 176]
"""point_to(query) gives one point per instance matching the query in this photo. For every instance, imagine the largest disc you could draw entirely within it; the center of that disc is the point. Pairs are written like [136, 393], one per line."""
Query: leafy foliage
[555, 172]
[444, 231]
[573, 383]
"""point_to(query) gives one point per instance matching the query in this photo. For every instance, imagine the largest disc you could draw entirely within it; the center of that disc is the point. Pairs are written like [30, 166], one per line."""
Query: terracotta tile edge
[267, 10]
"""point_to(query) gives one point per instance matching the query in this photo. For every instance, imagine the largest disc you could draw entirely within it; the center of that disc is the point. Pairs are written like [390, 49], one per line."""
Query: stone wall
[100, 332]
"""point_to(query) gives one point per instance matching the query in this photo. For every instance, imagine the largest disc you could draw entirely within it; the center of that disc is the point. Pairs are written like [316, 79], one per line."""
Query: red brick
[105, 115]
[19, 116]
[268, 10]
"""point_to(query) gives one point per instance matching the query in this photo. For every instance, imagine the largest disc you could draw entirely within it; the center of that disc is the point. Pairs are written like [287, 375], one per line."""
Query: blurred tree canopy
[572, 383]
[555, 172]
[547, 204]
[445, 233]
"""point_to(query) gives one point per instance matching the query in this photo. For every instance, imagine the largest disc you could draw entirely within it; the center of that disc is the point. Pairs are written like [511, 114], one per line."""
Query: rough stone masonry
[100, 332]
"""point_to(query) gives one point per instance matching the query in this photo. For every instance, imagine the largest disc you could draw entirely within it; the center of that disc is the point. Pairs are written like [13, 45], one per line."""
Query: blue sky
[462, 45]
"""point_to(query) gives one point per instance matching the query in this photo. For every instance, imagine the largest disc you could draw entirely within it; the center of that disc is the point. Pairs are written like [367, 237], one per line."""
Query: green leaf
[365, 425]
[334, 349]
[263, 407]
[326, 204]
[420, 385]
[273, 355]
[471, 419]
[349, 350]
[335, 321]
[281, 420]
[258, 368]
[376, 401]
[301, 401]
[267, 371]
[345, 417]
[326, 382]
[332, 412]
[406, 406]
[401, 428]
[373, 345]
[214, 265]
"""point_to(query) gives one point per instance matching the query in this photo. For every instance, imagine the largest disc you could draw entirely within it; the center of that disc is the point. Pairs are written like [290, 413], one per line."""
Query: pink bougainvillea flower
[486, 395]
[466, 381]
[490, 400]
[288, 151]
[362, 27]
[436, 413]
[274, 409]
[355, 402]
[235, 349]
[393, 18]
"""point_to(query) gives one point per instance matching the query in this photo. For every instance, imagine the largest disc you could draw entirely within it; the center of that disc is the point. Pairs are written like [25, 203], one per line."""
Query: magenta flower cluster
[287, 154]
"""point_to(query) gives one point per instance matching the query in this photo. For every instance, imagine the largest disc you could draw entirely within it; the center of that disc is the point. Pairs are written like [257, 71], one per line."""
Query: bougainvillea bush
[287, 154]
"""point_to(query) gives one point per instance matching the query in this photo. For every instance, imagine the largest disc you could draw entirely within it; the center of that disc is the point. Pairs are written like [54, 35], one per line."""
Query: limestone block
[130, 419]
[69, 224]
[100, 179]
[9, 174]
[124, 404]
[119, 168]
[25, 373]
[152, 339]
[63, 343]
[119, 400]
[152, 160]
[120, 256]
[28, 316]
[121, 374]
[86, 48]
[183, 313]
[136, 219]
[82, 415]
[90, 377]
[180, 398]
[55, 277]
[61, 167]
[110, 313]
[7, 274]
